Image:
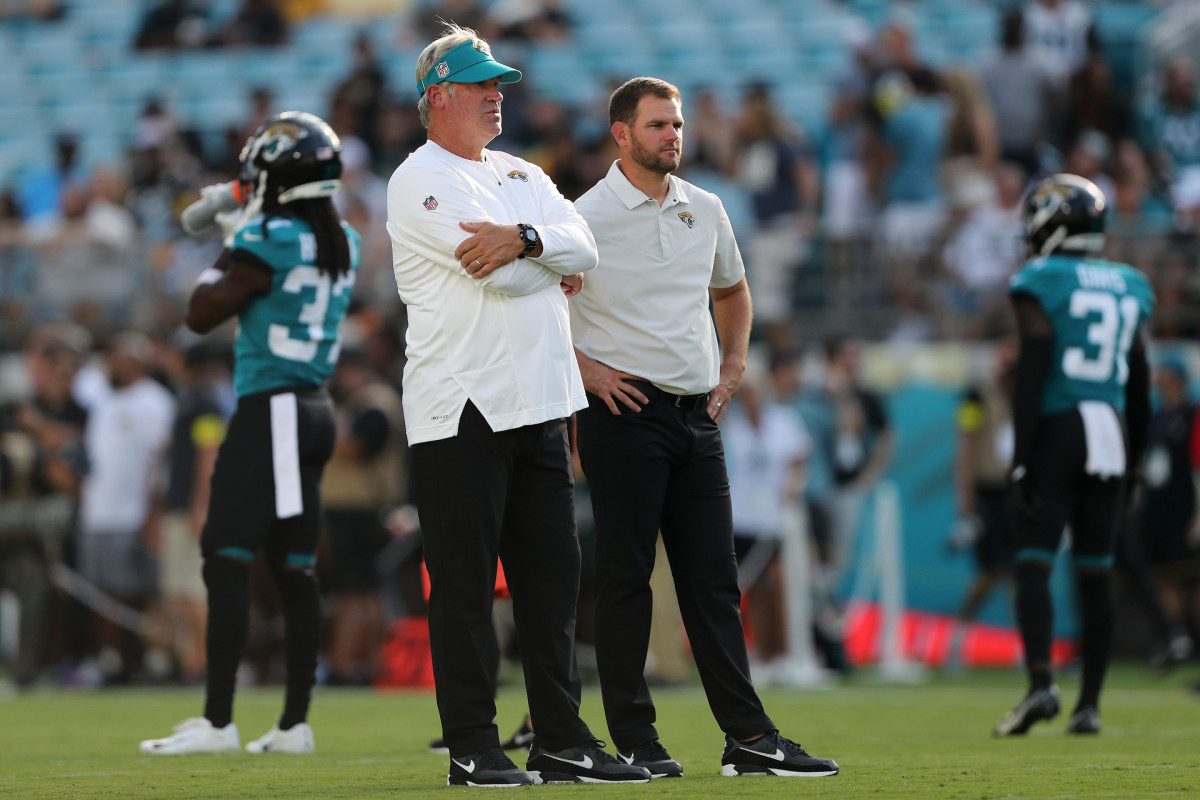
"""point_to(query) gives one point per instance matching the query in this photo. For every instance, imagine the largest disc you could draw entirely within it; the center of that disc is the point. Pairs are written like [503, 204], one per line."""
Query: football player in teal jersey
[1080, 410]
[286, 276]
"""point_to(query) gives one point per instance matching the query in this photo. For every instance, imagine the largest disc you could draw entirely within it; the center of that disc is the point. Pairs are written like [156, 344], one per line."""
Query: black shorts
[266, 485]
[1060, 493]
[355, 539]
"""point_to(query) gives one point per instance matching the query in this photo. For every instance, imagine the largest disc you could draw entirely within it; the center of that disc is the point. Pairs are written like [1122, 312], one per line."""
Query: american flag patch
[430, 203]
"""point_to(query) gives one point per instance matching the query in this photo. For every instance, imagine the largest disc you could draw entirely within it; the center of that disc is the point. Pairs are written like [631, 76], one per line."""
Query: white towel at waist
[1105, 440]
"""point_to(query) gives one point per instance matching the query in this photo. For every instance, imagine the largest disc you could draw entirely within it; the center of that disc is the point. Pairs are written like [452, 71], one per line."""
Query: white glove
[967, 530]
[200, 215]
[230, 221]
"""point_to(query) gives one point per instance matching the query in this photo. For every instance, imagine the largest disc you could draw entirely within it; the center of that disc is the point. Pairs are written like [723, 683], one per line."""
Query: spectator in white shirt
[766, 452]
[126, 438]
[485, 252]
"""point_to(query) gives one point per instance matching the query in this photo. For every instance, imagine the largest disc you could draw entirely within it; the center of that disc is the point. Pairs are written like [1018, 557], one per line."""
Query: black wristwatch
[530, 237]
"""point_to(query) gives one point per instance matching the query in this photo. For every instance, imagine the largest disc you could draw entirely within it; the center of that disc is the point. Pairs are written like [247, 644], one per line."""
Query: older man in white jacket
[485, 251]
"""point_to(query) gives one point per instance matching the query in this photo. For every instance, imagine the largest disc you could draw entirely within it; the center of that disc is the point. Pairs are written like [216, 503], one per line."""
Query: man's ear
[621, 133]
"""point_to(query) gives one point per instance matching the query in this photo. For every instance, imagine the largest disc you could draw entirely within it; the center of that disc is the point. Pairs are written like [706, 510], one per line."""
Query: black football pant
[663, 468]
[1061, 493]
[266, 494]
[511, 494]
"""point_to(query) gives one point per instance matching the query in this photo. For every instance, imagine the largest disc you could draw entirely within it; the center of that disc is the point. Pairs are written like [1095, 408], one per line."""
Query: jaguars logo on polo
[687, 218]
[521, 176]
[430, 203]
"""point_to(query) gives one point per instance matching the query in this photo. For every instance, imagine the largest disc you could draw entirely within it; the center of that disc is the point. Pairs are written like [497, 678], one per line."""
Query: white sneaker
[296, 739]
[196, 735]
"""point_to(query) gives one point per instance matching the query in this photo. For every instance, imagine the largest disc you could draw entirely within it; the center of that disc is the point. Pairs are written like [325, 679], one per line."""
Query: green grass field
[930, 742]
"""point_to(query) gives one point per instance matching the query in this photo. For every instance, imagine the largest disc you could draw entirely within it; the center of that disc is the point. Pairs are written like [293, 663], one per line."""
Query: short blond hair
[452, 38]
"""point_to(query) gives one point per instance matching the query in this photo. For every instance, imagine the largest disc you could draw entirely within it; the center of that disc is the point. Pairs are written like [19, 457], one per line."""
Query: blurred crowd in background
[893, 221]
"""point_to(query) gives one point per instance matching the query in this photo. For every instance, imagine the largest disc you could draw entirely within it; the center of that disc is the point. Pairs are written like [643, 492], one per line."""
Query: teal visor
[467, 63]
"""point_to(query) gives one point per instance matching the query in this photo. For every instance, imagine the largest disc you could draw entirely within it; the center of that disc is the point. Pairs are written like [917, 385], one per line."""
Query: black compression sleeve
[1033, 366]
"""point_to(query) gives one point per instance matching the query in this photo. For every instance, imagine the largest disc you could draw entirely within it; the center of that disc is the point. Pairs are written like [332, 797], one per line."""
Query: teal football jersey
[291, 335]
[1097, 308]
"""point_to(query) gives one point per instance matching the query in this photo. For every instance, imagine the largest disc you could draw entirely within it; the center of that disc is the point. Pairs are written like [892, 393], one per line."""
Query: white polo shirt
[503, 341]
[645, 310]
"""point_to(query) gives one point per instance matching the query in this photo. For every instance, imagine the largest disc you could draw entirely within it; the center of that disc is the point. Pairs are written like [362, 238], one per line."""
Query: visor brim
[485, 71]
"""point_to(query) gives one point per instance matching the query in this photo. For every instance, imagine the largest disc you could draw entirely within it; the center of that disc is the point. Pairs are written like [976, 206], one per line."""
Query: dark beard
[647, 159]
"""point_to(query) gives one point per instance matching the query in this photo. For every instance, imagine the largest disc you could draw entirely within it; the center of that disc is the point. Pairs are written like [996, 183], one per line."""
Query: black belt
[657, 397]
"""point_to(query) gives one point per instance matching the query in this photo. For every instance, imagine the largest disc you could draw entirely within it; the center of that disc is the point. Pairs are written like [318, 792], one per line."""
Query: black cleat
[587, 763]
[522, 739]
[772, 754]
[486, 768]
[1038, 705]
[654, 758]
[1085, 720]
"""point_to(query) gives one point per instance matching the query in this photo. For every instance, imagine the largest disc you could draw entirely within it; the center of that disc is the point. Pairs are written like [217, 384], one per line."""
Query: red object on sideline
[405, 660]
[926, 638]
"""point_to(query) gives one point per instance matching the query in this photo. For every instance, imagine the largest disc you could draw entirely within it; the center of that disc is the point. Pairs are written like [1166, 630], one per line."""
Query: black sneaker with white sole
[654, 758]
[1086, 719]
[587, 763]
[1038, 705]
[773, 754]
[486, 768]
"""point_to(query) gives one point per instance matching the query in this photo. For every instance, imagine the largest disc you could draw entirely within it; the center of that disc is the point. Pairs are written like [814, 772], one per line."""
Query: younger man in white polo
[658, 380]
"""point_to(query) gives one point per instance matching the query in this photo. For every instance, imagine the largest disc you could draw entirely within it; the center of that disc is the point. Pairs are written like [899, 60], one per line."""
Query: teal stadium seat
[20, 120]
[618, 47]
[14, 88]
[135, 79]
[1119, 28]
[807, 105]
[694, 70]
[20, 154]
[215, 112]
[559, 74]
[50, 49]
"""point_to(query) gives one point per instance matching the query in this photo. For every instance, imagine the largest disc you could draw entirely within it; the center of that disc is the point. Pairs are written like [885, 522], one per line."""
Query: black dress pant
[663, 468]
[480, 495]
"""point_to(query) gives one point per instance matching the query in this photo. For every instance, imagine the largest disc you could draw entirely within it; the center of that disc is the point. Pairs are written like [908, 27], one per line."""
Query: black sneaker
[587, 763]
[1038, 705]
[521, 740]
[438, 747]
[1085, 720]
[654, 758]
[486, 768]
[772, 754]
